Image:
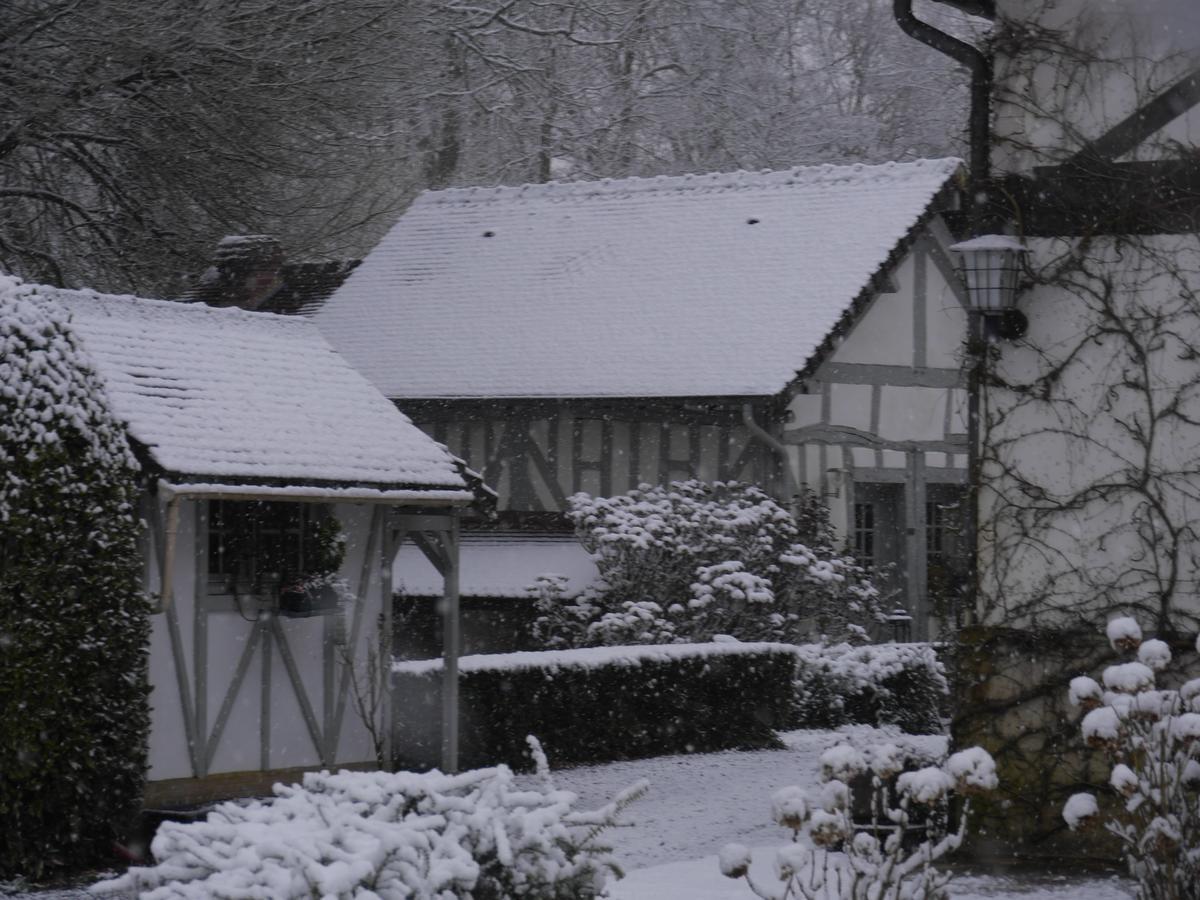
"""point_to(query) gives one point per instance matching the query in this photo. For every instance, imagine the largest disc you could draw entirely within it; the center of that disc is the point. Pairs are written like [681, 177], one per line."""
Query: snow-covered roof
[714, 285]
[498, 565]
[228, 395]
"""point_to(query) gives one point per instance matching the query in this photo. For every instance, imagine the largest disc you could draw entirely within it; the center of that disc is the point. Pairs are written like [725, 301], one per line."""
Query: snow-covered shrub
[600, 703]
[720, 558]
[875, 684]
[389, 836]
[889, 856]
[1152, 736]
[73, 621]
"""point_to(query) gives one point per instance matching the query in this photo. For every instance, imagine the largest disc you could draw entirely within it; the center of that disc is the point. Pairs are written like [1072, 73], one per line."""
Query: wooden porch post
[451, 637]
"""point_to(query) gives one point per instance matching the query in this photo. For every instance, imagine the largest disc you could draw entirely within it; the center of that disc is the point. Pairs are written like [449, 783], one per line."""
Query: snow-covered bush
[1152, 735]
[597, 704]
[875, 684]
[389, 836]
[890, 855]
[73, 620]
[690, 560]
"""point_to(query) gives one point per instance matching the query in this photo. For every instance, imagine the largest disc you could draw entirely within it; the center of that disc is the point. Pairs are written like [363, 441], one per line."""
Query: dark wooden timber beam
[984, 8]
[1131, 131]
[1103, 197]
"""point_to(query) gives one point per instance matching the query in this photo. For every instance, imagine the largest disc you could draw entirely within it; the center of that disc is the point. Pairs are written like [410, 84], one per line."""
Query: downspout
[979, 127]
[790, 488]
[979, 130]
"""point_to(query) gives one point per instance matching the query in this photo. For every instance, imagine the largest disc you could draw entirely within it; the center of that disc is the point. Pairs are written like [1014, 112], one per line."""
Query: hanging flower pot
[319, 595]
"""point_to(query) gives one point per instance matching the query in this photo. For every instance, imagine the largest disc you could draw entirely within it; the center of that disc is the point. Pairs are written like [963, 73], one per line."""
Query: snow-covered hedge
[600, 703]
[388, 836]
[73, 620]
[874, 684]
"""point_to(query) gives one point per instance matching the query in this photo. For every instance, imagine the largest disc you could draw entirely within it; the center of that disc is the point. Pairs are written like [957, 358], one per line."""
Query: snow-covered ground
[696, 804]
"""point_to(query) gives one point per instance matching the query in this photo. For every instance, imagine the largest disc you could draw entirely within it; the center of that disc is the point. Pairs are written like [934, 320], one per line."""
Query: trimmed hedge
[875, 684]
[74, 622]
[599, 704]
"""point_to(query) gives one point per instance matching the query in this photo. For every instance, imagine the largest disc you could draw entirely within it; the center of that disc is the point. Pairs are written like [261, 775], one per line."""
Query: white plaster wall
[879, 337]
[945, 323]
[912, 414]
[850, 405]
[1110, 467]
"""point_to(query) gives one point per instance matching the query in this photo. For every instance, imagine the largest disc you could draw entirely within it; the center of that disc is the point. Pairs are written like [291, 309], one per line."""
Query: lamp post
[991, 267]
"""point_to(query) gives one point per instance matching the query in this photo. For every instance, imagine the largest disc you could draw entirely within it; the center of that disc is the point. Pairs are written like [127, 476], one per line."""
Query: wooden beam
[890, 376]
[1139, 125]
[451, 636]
[856, 437]
[239, 676]
[200, 635]
[432, 545]
[289, 663]
[1100, 197]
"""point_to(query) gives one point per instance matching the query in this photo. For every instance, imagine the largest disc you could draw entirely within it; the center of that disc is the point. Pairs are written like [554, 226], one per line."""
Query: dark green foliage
[589, 712]
[878, 684]
[73, 619]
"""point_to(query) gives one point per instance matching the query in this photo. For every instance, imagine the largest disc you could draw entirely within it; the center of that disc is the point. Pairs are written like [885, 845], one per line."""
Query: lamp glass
[992, 267]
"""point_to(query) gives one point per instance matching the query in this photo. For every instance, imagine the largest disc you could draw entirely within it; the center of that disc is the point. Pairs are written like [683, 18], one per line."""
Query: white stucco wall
[1093, 492]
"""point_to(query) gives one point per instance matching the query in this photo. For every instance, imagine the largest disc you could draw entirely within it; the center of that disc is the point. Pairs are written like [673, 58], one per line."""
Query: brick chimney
[246, 271]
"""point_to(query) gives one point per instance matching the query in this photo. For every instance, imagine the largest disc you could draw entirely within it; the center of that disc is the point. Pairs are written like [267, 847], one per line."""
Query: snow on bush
[388, 836]
[1085, 692]
[842, 762]
[1079, 810]
[1123, 633]
[690, 560]
[1152, 735]
[973, 771]
[74, 622]
[875, 684]
[889, 857]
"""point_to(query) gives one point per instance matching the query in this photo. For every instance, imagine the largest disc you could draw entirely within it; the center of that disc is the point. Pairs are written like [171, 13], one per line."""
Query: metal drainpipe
[789, 480]
[979, 127]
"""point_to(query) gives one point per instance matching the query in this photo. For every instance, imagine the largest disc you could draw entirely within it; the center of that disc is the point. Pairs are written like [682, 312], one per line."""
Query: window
[864, 534]
[945, 563]
[257, 547]
[943, 524]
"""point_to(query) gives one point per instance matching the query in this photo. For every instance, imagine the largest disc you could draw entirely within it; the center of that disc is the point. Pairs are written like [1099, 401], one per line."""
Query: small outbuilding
[279, 484]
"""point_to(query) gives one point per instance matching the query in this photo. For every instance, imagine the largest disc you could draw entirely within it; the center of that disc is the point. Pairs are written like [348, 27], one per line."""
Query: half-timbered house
[798, 329]
[267, 460]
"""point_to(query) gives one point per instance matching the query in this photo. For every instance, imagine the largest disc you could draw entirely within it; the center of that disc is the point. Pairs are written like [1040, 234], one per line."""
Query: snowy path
[696, 804]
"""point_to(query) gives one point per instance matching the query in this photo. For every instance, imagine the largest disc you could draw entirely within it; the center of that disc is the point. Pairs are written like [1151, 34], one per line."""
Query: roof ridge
[827, 173]
[82, 297]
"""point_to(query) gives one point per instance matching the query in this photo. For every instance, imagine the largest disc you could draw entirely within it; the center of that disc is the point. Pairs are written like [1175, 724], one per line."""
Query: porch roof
[235, 398]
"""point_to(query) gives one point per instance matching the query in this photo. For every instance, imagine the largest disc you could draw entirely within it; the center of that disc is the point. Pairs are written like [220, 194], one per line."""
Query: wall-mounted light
[991, 265]
[834, 479]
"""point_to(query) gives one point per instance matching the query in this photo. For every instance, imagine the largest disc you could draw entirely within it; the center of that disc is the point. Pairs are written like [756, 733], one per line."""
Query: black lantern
[901, 623]
[991, 265]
